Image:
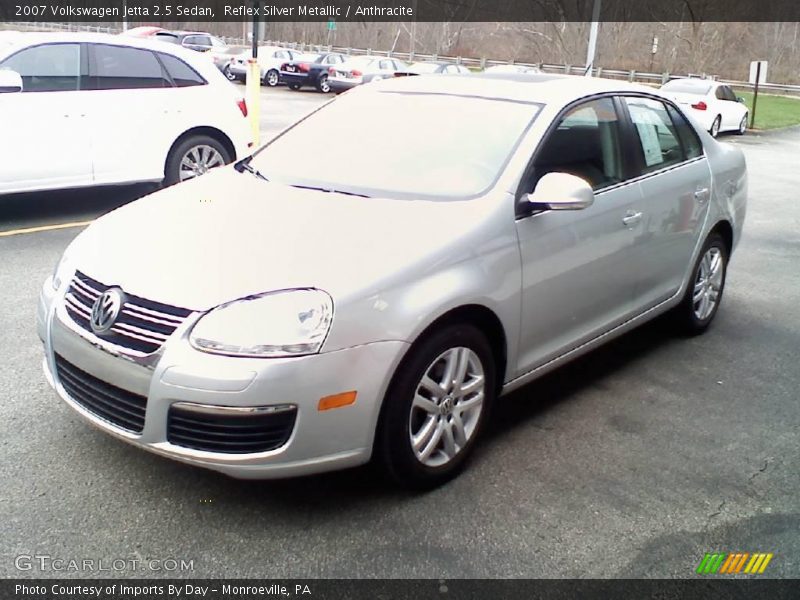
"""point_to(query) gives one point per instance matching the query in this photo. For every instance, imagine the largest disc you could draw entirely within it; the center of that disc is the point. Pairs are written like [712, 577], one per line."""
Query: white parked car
[714, 105]
[91, 109]
[270, 59]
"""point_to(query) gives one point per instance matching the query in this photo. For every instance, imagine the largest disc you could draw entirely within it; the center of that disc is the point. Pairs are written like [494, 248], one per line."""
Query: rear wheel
[194, 156]
[323, 85]
[704, 292]
[436, 407]
[228, 75]
[714, 131]
[272, 78]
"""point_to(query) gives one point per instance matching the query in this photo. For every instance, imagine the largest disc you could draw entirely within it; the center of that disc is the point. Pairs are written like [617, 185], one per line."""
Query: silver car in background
[287, 317]
[362, 69]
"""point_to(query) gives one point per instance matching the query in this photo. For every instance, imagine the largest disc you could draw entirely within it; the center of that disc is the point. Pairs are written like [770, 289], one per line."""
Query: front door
[577, 276]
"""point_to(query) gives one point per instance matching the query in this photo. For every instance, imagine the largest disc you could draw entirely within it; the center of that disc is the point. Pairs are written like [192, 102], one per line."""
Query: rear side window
[182, 74]
[50, 68]
[586, 144]
[692, 147]
[121, 68]
[658, 139]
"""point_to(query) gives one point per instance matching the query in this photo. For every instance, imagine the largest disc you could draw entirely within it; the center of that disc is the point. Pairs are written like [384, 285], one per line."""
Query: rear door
[133, 110]
[45, 138]
[675, 181]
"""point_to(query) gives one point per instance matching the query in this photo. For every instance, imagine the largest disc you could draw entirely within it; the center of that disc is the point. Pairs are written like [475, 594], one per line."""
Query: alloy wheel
[272, 78]
[708, 283]
[447, 406]
[324, 84]
[198, 160]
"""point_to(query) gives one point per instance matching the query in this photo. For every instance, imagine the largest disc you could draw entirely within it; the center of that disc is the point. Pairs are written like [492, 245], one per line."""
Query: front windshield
[402, 145]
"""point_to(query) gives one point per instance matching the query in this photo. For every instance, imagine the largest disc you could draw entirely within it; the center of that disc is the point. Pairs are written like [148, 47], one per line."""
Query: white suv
[89, 109]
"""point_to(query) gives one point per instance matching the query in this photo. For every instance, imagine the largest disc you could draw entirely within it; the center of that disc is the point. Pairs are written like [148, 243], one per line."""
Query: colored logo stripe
[731, 563]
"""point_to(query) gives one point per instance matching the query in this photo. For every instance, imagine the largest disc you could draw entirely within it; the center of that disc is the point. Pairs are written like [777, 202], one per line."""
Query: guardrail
[476, 63]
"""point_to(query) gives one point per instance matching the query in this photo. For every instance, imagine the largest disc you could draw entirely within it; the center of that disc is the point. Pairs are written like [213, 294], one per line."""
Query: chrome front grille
[142, 326]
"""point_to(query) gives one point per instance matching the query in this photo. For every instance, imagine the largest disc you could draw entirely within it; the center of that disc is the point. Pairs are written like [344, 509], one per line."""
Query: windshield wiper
[329, 190]
[244, 166]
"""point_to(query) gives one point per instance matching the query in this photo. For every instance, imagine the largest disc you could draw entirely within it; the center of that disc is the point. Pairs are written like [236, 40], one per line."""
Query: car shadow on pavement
[34, 209]
[366, 484]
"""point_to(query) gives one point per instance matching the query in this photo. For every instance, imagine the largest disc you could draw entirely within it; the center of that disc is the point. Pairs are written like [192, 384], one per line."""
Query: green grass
[773, 112]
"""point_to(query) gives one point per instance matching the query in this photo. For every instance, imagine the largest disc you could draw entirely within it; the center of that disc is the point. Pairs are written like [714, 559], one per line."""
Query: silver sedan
[279, 318]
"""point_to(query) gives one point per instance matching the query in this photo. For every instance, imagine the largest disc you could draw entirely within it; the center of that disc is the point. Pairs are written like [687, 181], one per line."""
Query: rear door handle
[631, 218]
[701, 194]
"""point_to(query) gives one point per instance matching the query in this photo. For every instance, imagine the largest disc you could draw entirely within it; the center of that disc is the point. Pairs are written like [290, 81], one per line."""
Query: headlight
[63, 271]
[286, 323]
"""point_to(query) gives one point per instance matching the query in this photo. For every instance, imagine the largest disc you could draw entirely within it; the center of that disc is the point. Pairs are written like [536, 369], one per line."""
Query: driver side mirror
[561, 191]
[10, 81]
[740, 99]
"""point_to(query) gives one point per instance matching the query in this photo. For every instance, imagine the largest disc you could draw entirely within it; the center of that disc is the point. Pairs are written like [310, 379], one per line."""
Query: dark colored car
[311, 70]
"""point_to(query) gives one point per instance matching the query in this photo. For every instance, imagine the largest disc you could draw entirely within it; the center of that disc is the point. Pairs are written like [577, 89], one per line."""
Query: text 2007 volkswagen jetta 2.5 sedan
[453, 240]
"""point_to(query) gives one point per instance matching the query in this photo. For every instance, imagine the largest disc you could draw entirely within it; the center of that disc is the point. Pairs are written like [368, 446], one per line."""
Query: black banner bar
[382, 589]
[155, 11]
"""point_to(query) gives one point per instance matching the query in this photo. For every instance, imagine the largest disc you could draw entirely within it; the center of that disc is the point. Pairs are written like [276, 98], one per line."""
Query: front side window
[434, 146]
[658, 140]
[122, 68]
[50, 68]
[586, 143]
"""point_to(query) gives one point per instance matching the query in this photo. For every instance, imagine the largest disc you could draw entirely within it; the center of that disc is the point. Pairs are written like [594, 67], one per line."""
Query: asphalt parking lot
[632, 462]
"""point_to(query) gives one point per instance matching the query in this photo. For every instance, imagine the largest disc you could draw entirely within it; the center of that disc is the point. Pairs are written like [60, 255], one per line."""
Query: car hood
[229, 235]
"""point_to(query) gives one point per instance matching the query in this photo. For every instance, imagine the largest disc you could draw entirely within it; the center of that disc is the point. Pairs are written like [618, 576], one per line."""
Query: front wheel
[193, 157]
[272, 78]
[436, 407]
[714, 131]
[704, 292]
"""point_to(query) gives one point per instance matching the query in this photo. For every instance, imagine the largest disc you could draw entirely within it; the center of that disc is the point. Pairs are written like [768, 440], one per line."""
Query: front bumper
[177, 373]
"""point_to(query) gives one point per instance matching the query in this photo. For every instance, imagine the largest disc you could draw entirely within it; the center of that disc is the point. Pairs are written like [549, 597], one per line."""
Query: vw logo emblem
[106, 310]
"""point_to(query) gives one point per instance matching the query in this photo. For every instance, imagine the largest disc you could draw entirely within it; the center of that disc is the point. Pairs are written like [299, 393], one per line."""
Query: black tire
[684, 315]
[742, 125]
[228, 75]
[322, 84]
[173, 164]
[715, 126]
[293, 86]
[393, 447]
[272, 78]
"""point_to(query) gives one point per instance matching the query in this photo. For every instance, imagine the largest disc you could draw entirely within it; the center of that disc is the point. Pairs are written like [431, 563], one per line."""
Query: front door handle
[701, 194]
[631, 218]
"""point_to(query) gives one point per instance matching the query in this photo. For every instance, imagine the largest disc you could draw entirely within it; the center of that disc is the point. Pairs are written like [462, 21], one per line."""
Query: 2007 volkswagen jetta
[453, 239]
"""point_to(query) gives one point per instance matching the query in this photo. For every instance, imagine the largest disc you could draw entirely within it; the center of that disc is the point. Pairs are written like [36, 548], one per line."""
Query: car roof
[35, 38]
[541, 88]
